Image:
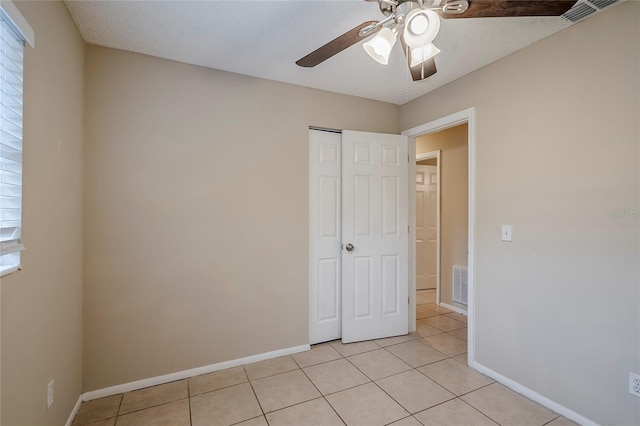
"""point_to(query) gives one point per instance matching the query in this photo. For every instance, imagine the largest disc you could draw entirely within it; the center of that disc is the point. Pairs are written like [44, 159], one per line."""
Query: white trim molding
[428, 155]
[74, 411]
[465, 116]
[172, 377]
[453, 308]
[532, 395]
[12, 15]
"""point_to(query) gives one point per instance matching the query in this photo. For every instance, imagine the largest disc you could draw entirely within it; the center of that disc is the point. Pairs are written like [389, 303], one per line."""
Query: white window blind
[11, 71]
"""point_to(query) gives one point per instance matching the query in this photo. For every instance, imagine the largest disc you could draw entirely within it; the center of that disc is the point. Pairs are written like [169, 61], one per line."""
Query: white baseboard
[453, 308]
[74, 411]
[523, 390]
[159, 380]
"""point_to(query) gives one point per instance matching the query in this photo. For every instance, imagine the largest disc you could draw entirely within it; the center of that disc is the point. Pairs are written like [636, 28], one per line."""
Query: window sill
[11, 270]
[10, 257]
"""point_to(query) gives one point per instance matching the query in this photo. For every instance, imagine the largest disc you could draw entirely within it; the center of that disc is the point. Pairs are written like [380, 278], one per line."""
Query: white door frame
[429, 156]
[466, 116]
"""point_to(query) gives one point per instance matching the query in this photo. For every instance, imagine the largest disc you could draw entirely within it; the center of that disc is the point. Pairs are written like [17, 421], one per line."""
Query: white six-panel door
[375, 223]
[358, 195]
[325, 192]
[426, 226]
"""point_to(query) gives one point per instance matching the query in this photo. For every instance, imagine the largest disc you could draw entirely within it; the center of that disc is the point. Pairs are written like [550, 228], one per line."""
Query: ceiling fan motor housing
[401, 7]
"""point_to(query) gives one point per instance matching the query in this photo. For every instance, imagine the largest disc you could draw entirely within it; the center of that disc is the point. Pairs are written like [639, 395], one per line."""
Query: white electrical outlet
[634, 384]
[50, 394]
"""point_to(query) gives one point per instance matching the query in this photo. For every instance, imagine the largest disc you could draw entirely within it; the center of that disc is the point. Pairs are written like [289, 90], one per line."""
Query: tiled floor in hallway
[418, 379]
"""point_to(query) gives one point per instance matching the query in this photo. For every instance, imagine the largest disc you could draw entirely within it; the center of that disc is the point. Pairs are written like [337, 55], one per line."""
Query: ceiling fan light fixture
[418, 55]
[421, 27]
[419, 24]
[379, 47]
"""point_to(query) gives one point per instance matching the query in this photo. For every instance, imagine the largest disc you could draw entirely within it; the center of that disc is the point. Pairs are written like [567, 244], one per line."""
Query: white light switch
[506, 233]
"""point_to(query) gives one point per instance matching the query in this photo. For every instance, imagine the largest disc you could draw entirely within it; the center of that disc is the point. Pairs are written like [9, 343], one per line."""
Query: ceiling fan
[416, 24]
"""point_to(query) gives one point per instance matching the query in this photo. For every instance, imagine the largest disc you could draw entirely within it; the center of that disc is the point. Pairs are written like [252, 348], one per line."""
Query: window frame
[22, 31]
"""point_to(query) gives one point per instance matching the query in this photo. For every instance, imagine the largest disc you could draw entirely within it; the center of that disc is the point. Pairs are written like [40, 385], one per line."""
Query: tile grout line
[150, 406]
[412, 368]
[420, 372]
[552, 419]
[272, 375]
[486, 415]
[322, 396]
[292, 405]
[298, 403]
[189, 396]
[342, 390]
[256, 417]
[349, 388]
[119, 407]
[404, 418]
[255, 395]
[153, 406]
[322, 362]
[393, 399]
[481, 387]
[459, 397]
[356, 367]
[373, 381]
[217, 389]
[357, 353]
[446, 389]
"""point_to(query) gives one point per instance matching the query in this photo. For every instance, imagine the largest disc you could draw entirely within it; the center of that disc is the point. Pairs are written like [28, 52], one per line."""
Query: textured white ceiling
[265, 38]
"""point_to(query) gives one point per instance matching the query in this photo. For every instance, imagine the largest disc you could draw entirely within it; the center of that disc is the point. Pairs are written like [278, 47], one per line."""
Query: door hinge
[408, 229]
[408, 301]
[408, 159]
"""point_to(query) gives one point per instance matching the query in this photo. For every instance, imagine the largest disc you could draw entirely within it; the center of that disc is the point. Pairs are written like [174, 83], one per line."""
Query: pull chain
[406, 80]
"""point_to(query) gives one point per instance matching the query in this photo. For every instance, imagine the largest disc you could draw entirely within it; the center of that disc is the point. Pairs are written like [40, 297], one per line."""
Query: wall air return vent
[601, 4]
[460, 284]
[578, 12]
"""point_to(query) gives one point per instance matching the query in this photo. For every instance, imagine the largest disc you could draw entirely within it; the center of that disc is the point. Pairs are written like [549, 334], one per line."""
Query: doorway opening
[442, 216]
[439, 303]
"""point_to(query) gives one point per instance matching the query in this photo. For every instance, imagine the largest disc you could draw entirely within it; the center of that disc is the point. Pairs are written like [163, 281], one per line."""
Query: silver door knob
[350, 247]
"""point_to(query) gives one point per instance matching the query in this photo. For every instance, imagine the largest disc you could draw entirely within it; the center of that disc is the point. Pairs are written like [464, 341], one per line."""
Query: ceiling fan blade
[335, 46]
[511, 8]
[423, 70]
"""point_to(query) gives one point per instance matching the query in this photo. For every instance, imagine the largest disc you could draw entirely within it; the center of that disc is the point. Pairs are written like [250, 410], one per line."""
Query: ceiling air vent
[578, 12]
[601, 4]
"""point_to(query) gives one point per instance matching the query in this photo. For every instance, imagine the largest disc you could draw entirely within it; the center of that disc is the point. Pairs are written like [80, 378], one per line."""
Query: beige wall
[454, 194]
[196, 212]
[42, 304]
[558, 310]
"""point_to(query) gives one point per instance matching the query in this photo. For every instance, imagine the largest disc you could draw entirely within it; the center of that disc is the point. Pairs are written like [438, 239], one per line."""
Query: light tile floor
[413, 380]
